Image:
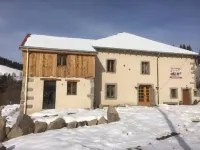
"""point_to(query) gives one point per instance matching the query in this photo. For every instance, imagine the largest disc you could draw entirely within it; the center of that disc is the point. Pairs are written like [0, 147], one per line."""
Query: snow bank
[139, 126]
[11, 113]
[8, 70]
[69, 115]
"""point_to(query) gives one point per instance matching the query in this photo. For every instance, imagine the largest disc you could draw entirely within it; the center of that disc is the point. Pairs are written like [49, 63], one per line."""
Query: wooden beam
[69, 80]
[51, 79]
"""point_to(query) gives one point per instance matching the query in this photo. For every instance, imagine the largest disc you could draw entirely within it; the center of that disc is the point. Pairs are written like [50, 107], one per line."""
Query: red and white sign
[176, 73]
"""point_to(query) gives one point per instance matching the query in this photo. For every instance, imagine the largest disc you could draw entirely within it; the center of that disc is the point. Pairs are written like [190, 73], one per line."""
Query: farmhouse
[123, 69]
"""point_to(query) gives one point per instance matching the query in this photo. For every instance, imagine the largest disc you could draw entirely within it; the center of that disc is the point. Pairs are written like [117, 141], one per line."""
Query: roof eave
[56, 49]
[100, 47]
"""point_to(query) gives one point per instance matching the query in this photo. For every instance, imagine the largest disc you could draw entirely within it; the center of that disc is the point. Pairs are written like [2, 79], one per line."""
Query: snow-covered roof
[60, 43]
[133, 42]
[124, 41]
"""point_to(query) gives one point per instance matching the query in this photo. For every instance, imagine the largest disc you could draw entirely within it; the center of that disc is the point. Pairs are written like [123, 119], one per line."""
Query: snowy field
[138, 129]
[8, 70]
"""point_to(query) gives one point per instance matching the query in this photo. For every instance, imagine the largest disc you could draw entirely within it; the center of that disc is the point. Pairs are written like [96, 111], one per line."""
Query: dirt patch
[167, 136]
[46, 116]
[196, 121]
[138, 148]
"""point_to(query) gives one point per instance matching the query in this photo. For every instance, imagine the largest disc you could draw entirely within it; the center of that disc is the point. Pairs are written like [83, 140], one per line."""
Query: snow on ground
[138, 127]
[8, 70]
[69, 115]
[11, 113]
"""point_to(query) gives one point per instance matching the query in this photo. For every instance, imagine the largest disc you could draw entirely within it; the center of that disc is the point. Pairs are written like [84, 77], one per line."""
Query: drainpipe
[26, 81]
[158, 88]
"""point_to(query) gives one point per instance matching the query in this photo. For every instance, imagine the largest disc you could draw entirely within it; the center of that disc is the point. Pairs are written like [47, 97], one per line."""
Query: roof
[121, 41]
[133, 42]
[59, 43]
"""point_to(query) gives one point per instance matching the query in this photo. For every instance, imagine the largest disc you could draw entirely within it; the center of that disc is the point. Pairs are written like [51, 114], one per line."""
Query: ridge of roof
[129, 41]
[63, 37]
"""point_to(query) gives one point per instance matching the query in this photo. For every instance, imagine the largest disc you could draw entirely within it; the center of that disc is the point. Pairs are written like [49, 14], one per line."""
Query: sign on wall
[176, 73]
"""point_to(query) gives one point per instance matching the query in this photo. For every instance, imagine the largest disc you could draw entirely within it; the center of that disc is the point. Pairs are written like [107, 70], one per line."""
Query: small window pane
[110, 66]
[61, 60]
[111, 89]
[145, 68]
[174, 93]
[71, 88]
[64, 58]
[58, 60]
[195, 93]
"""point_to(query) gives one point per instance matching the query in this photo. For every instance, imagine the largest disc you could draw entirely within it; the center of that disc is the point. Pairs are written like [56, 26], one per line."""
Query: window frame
[114, 65]
[71, 86]
[115, 91]
[195, 93]
[63, 58]
[141, 67]
[171, 96]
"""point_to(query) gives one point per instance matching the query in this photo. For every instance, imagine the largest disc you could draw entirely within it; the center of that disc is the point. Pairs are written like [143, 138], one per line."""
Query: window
[61, 60]
[71, 88]
[195, 93]
[145, 68]
[110, 65]
[111, 91]
[174, 93]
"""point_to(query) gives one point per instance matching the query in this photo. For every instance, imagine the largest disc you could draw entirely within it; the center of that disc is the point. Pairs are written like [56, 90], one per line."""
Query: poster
[176, 73]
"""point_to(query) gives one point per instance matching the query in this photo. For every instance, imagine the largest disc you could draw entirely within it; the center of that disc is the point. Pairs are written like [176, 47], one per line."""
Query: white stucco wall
[83, 99]
[128, 76]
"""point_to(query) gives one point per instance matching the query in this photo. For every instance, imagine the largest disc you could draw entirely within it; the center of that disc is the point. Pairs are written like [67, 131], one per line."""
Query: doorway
[49, 95]
[144, 95]
[186, 96]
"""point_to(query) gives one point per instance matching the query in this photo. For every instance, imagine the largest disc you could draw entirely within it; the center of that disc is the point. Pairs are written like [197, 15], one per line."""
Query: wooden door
[186, 97]
[144, 95]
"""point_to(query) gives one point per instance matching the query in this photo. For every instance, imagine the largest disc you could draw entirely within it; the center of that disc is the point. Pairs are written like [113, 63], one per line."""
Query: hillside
[8, 70]
[10, 63]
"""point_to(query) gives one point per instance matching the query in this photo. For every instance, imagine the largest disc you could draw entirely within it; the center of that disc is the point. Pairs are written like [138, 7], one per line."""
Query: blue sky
[169, 21]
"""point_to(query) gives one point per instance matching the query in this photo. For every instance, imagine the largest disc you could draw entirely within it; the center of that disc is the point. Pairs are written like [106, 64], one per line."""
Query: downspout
[26, 81]
[158, 88]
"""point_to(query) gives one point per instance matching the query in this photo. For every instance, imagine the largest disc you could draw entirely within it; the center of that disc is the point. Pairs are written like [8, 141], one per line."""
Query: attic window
[145, 68]
[111, 66]
[61, 60]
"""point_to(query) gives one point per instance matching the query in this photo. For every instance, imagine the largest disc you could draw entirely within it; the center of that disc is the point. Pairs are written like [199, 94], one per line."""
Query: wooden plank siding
[44, 64]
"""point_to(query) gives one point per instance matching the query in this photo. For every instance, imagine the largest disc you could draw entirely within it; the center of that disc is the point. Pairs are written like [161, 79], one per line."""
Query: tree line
[187, 47]
[10, 86]
[10, 89]
[11, 64]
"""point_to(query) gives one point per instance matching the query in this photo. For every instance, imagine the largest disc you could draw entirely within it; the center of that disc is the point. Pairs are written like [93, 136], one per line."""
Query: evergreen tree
[11, 64]
[198, 58]
[184, 47]
[189, 48]
[181, 46]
